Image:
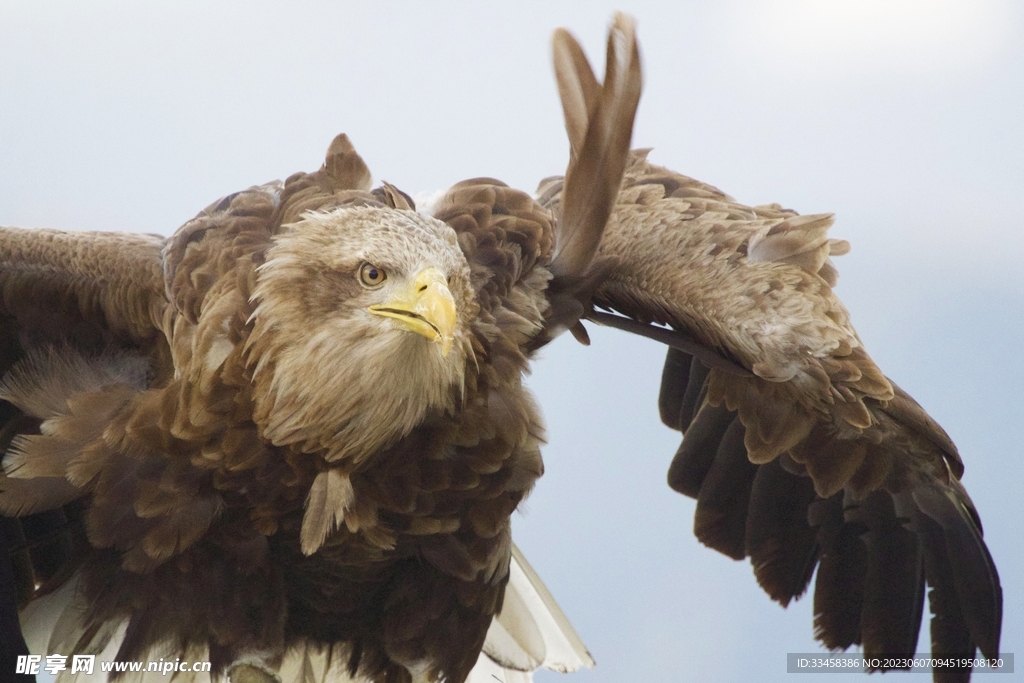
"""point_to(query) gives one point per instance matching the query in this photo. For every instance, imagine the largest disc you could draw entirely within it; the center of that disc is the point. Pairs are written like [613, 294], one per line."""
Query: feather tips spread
[880, 513]
[378, 542]
[817, 420]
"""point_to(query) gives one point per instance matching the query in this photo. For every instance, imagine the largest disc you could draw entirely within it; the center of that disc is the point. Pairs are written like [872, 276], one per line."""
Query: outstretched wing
[799, 451]
[102, 294]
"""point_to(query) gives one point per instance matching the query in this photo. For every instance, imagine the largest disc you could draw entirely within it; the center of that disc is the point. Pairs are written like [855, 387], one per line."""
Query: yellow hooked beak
[426, 307]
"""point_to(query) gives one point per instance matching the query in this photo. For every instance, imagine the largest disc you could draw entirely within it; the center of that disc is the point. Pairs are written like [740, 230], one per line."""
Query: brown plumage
[299, 422]
[797, 448]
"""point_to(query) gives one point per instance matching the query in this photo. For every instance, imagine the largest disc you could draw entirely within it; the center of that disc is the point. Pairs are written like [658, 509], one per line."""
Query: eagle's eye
[371, 276]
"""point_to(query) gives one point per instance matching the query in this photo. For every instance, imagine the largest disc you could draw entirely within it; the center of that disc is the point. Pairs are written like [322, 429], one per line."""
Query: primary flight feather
[298, 425]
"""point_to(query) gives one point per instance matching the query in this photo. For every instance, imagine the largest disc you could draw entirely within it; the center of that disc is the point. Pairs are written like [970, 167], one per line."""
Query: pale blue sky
[906, 118]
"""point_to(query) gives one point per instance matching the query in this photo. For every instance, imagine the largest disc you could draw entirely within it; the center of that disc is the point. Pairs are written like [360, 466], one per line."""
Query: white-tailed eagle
[298, 425]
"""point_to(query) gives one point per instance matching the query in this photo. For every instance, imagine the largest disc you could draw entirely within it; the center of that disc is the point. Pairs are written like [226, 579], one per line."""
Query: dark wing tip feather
[955, 542]
[781, 544]
[720, 520]
[693, 460]
[675, 378]
[842, 567]
[950, 635]
[894, 581]
[875, 552]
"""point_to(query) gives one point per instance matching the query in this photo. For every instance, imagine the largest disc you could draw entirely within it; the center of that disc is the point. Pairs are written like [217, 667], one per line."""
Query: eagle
[289, 438]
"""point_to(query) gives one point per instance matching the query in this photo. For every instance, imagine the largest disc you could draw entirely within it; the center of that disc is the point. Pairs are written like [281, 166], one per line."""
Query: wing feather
[842, 567]
[720, 519]
[65, 296]
[783, 549]
[796, 446]
[599, 122]
[894, 581]
[531, 631]
[100, 285]
[599, 157]
[697, 453]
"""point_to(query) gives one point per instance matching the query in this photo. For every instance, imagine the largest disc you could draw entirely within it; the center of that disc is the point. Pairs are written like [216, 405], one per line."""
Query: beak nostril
[423, 288]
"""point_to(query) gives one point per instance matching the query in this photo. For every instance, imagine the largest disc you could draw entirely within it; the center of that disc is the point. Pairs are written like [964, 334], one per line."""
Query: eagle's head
[361, 328]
